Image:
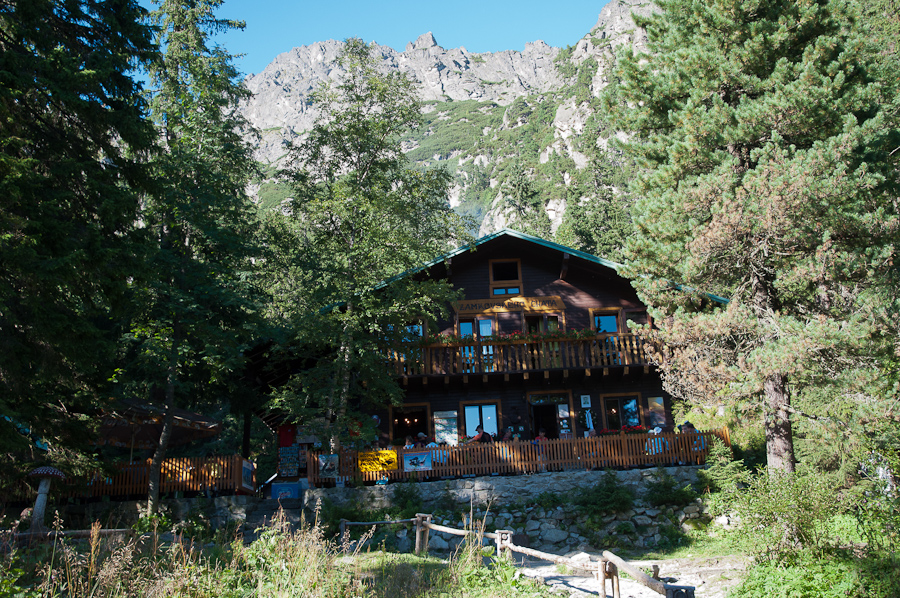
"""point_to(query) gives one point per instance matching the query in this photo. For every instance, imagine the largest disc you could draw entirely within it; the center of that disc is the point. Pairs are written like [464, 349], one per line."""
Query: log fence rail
[607, 568]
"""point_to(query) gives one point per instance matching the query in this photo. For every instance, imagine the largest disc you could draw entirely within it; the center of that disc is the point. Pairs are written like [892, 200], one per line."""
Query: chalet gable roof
[506, 232]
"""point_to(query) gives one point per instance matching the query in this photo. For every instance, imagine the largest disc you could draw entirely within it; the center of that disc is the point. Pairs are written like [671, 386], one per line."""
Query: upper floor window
[605, 320]
[506, 278]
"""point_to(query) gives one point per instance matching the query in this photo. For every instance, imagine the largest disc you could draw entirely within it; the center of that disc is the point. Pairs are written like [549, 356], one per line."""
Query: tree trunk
[779, 438]
[245, 446]
[168, 423]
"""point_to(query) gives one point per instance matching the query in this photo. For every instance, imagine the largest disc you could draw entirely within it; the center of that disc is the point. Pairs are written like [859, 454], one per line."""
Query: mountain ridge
[481, 99]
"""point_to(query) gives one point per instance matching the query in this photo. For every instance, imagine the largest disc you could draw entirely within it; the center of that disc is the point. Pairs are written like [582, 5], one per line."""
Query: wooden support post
[504, 539]
[422, 533]
[601, 576]
[613, 572]
[419, 530]
[345, 539]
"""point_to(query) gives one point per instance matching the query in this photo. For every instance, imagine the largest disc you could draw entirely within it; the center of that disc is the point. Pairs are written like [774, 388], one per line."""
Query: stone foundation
[511, 503]
[500, 502]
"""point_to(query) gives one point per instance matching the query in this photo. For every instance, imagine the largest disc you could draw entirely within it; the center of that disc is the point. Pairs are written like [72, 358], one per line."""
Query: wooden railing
[484, 357]
[188, 474]
[623, 451]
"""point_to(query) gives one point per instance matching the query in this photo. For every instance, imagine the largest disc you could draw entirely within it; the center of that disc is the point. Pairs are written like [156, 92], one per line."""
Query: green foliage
[817, 577]
[360, 215]
[153, 523]
[72, 136]
[722, 470]
[10, 588]
[408, 499]
[192, 302]
[606, 496]
[781, 513]
[664, 490]
[767, 180]
[549, 500]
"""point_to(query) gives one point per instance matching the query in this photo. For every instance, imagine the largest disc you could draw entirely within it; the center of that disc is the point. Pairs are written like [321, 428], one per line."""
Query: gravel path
[711, 577]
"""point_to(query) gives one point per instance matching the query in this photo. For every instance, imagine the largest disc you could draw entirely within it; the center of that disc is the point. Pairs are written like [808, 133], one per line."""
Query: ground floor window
[486, 415]
[621, 411]
[409, 420]
[656, 412]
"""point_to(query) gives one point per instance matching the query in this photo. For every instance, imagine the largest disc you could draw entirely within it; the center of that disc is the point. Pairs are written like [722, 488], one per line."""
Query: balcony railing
[517, 356]
[622, 451]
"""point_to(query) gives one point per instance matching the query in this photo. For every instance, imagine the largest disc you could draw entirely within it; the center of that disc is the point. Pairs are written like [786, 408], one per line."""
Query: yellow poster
[378, 461]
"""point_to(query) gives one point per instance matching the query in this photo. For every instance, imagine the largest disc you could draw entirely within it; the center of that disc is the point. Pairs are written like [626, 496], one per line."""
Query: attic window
[506, 278]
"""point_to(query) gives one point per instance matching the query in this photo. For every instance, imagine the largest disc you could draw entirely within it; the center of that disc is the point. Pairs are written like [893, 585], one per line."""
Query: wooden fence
[619, 451]
[484, 357]
[223, 475]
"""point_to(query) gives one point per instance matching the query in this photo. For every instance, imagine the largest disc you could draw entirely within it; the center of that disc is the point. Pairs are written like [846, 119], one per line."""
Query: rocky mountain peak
[423, 42]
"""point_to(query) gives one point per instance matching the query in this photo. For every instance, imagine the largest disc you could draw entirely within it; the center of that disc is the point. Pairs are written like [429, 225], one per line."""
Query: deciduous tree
[360, 216]
[192, 299]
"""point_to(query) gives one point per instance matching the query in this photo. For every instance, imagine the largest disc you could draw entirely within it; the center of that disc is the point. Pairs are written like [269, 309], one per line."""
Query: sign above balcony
[529, 304]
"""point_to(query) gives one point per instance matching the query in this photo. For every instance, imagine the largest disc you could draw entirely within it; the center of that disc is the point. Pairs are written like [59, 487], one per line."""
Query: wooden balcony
[619, 451]
[475, 357]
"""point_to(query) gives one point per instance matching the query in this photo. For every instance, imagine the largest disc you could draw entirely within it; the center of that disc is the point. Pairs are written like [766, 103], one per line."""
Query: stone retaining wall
[513, 503]
[501, 502]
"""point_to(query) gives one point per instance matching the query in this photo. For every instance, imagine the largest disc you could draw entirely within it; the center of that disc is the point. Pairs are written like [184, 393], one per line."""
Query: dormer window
[506, 278]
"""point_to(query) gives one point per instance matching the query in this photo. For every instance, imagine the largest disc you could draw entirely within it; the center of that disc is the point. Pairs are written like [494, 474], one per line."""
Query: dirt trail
[712, 577]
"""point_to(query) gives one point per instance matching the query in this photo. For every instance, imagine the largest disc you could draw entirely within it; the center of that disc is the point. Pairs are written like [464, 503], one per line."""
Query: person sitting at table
[421, 440]
[408, 443]
[480, 436]
[699, 441]
[507, 435]
[656, 445]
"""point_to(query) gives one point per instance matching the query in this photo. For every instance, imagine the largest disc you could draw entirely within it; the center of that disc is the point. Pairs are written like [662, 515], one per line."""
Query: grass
[282, 562]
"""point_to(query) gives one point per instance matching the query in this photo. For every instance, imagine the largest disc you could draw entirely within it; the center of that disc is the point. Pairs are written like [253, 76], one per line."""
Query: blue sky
[276, 26]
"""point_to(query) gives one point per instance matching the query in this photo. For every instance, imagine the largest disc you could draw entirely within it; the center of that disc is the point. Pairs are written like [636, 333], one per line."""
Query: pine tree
[767, 179]
[360, 216]
[72, 139]
[192, 300]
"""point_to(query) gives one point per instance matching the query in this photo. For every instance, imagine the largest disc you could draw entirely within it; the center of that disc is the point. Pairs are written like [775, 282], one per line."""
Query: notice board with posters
[446, 428]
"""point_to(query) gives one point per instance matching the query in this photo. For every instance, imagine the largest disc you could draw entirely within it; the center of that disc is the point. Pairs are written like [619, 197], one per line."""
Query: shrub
[664, 490]
[607, 496]
[722, 471]
[782, 513]
[808, 576]
[408, 499]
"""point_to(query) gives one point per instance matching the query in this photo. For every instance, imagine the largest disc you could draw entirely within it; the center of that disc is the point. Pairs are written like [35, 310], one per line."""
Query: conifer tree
[192, 300]
[767, 179]
[72, 142]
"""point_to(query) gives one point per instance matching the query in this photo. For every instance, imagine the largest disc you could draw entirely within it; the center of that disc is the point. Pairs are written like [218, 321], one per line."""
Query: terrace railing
[620, 451]
[508, 356]
[185, 474]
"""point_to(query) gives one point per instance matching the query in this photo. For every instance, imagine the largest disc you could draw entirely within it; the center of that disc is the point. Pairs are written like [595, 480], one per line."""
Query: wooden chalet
[540, 340]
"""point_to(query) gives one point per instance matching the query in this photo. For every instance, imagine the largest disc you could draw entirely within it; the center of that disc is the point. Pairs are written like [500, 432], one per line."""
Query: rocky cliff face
[281, 107]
